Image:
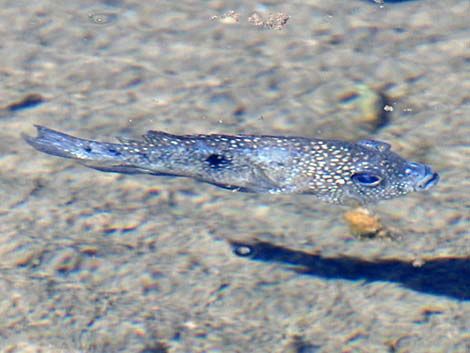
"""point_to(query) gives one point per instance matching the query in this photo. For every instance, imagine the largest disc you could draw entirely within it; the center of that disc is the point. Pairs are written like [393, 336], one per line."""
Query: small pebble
[365, 225]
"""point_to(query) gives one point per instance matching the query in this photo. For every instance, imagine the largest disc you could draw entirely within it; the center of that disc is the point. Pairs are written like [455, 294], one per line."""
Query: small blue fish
[333, 170]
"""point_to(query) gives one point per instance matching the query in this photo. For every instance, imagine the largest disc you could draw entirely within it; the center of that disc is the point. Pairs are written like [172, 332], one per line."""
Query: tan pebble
[364, 224]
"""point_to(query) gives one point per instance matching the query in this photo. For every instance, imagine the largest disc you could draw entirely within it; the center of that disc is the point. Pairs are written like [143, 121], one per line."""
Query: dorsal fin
[127, 141]
[159, 137]
[374, 144]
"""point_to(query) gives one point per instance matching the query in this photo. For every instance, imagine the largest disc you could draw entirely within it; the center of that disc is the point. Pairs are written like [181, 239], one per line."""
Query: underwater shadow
[448, 277]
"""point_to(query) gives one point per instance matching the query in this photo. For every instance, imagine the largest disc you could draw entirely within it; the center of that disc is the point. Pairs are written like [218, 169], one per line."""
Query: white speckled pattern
[333, 170]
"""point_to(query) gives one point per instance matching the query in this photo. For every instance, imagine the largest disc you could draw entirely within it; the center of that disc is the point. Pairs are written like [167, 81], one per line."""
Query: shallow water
[95, 262]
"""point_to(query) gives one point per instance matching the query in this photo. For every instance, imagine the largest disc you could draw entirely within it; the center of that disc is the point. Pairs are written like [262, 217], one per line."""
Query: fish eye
[366, 178]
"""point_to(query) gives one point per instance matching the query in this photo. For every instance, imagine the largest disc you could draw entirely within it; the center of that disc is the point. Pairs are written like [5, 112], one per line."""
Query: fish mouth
[429, 181]
[426, 178]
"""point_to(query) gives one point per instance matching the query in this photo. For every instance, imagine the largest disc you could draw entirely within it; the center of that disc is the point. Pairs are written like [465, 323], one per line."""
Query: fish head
[376, 173]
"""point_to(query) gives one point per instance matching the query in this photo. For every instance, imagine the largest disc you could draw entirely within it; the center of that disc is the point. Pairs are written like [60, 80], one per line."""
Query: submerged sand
[95, 262]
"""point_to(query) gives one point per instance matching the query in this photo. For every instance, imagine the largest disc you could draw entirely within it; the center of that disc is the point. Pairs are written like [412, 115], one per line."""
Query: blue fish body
[333, 170]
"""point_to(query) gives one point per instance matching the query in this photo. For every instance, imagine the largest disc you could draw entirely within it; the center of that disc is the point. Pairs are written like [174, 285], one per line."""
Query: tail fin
[59, 144]
[106, 157]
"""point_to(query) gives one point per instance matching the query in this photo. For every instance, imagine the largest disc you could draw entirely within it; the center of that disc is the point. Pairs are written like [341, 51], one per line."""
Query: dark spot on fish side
[29, 101]
[217, 161]
[113, 151]
[87, 149]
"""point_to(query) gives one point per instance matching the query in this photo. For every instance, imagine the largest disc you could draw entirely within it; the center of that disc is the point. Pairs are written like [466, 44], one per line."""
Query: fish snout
[423, 175]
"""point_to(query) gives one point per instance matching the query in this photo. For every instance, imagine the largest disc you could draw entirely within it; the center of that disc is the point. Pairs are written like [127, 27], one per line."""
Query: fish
[334, 171]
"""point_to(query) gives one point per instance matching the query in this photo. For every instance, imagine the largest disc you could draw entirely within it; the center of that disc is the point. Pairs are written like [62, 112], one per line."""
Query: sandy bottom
[96, 262]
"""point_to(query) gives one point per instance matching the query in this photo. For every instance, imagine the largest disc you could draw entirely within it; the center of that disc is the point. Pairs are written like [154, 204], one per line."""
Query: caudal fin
[106, 157]
[59, 144]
